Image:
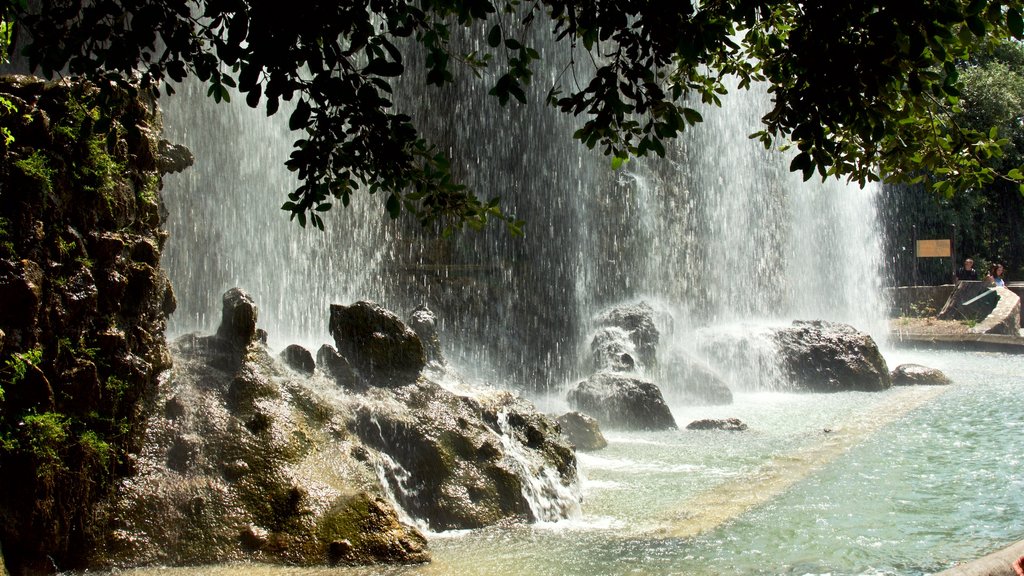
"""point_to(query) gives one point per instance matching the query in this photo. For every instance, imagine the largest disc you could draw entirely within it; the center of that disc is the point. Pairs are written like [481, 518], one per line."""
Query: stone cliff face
[83, 305]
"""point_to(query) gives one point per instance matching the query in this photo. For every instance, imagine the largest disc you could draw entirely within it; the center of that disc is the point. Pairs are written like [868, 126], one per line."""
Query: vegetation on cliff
[84, 307]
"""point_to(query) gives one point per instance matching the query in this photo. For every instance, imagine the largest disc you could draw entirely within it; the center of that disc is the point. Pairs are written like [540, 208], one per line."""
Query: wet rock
[424, 323]
[336, 366]
[86, 321]
[377, 343]
[173, 158]
[220, 483]
[582, 431]
[918, 375]
[638, 321]
[238, 318]
[622, 401]
[21, 291]
[824, 356]
[458, 455]
[613, 350]
[298, 359]
[730, 424]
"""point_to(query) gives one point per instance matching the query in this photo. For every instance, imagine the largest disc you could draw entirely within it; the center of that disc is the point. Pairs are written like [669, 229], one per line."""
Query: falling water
[717, 234]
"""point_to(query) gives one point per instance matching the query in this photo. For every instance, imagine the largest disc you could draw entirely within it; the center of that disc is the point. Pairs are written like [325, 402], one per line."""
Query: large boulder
[238, 318]
[637, 321]
[622, 401]
[467, 462]
[916, 375]
[382, 348]
[824, 356]
[582, 431]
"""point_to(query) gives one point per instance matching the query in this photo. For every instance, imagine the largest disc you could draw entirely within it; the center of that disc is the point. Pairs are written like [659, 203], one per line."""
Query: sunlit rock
[582, 431]
[824, 356]
[622, 401]
[918, 375]
[249, 463]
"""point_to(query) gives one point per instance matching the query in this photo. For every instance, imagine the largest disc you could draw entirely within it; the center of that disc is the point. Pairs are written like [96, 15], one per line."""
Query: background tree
[986, 220]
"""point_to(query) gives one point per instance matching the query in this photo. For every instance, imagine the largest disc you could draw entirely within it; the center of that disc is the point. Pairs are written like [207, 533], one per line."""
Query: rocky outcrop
[377, 344]
[582, 431]
[459, 468]
[622, 401]
[728, 424]
[824, 356]
[917, 375]
[83, 305]
[248, 461]
[244, 462]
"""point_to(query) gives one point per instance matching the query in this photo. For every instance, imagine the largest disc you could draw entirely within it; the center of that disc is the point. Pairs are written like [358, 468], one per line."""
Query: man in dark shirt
[967, 271]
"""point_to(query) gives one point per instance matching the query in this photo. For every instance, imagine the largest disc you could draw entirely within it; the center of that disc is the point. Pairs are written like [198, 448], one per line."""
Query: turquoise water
[908, 481]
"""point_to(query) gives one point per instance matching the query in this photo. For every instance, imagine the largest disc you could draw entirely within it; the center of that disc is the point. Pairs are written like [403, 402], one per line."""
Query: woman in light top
[995, 275]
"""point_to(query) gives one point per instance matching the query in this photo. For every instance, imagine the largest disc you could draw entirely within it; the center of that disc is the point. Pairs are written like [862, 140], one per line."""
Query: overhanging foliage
[863, 88]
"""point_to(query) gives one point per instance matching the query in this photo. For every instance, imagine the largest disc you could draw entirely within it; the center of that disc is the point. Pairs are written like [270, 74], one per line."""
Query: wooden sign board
[934, 248]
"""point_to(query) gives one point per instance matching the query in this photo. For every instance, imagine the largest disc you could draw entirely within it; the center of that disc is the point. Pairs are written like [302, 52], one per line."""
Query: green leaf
[300, 116]
[1015, 23]
[394, 206]
[692, 116]
[618, 161]
[494, 36]
[1015, 174]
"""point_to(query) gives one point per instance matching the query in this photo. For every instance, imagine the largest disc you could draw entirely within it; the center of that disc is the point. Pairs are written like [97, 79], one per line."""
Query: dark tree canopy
[863, 89]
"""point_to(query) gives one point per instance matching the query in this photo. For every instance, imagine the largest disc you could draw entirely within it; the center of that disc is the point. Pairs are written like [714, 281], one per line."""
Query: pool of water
[907, 481]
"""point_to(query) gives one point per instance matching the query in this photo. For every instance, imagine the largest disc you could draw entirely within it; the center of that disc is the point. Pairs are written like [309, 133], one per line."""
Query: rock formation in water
[243, 461]
[83, 305]
[825, 356]
[248, 461]
[622, 401]
[917, 375]
[729, 424]
[582, 431]
[623, 350]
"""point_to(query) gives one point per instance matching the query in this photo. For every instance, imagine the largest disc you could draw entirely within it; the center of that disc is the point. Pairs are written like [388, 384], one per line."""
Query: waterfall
[717, 233]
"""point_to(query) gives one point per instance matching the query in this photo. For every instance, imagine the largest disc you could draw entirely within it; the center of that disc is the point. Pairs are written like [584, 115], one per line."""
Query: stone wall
[917, 300]
[84, 306]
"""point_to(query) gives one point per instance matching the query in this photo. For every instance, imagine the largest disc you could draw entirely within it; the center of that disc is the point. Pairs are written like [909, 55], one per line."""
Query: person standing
[995, 275]
[967, 271]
